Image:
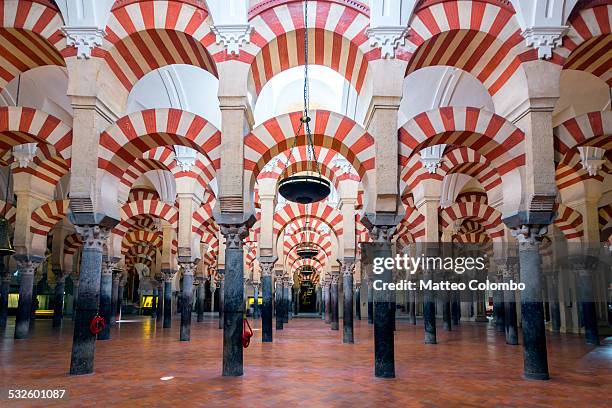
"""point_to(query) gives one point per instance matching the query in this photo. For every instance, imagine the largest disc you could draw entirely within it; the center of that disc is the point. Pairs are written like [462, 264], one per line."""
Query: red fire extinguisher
[247, 333]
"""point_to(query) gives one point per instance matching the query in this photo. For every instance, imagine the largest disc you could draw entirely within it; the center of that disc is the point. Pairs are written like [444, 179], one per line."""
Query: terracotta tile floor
[306, 365]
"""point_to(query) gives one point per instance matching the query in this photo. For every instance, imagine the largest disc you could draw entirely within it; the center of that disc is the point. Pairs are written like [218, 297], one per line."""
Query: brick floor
[307, 365]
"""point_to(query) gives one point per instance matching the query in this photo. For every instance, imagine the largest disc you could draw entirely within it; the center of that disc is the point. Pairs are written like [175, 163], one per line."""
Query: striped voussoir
[412, 226]
[72, 243]
[30, 37]
[203, 221]
[569, 221]
[481, 38]
[492, 136]
[152, 208]
[9, 211]
[153, 238]
[588, 44]
[487, 216]
[146, 35]
[19, 125]
[317, 211]
[47, 215]
[472, 238]
[337, 40]
[330, 130]
[306, 235]
[137, 194]
[203, 171]
[605, 217]
[133, 135]
[590, 129]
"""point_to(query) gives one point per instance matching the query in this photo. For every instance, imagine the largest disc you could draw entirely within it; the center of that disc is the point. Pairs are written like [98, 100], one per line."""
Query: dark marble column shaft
[429, 308]
[221, 297]
[88, 298]
[187, 301]
[384, 316]
[334, 301]
[347, 311]
[168, 275]
[27, 269]
[233, 301]
[266, 305]
[58, 298]
[358, 302]
[553, 301]
[154, 304]
[286, 301]
[532, 311]
[120, 290]
[278, 303]
[256, 311]
[328, 307]
[200, 302]
[5, 285]
[115, 296]
[106, 289]
[586, 297]
[510, 315]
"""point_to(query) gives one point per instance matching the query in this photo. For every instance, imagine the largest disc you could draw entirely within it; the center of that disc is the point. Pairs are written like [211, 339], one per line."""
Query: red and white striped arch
[137, 194]
[47, 215]
[20, 125]
[153, 238]
[307, 235]
[330, 130]
[569, 222]
[9, 211]
[72, 243]
[300, 263]
[133, 135]
[492, 136]
[412, 227]
[586, 46]
[153, 208]
[570, 172]
[30, 37]
[317, 211]
[203, 221]
[336, 34]
[479, 37]
[142, 36]
[487, 216]
[472, 238]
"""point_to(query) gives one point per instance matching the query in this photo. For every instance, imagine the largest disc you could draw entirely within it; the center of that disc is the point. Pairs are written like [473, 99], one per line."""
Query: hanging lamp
[310, 187]
[6, 246]
[307, 249]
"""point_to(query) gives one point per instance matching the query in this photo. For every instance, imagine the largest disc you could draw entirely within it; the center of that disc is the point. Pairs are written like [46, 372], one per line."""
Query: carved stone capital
[529, 236]
[233, 36]
[117, 273]
[545, 39]
[234, 235]
[267, 267]
[387, 39]
[28, 265]
[335, 278]
[382, 233]
[168, 274]
[84, 39]
[189, 268]
[348, 267]
[93, 236]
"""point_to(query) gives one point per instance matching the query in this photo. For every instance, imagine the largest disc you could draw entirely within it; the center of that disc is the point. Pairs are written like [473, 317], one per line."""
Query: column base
[536, 376]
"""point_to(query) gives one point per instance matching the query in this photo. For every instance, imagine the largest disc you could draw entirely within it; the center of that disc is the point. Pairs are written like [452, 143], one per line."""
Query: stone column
[286, 300]
[160, 298]
[348, 268]
[532, 310]
[221, 297]
[187, 300]
[154, 302]
[200, 299]
[446, 309]
[168, 277]
[498, 299]
[106, 294]
[412, 296]
[120, 293]
[583, 267]
[358, 302]
[233, 301]
[384, 301]
[88, 298]
[552, 280]
[267, 266]
[328, 311]
[510, 317]
[335, 277]
[256, 286]
[115, 295]
[27, 268]
[6, 278]
[278, 301]
[429, 303]
[58, 297]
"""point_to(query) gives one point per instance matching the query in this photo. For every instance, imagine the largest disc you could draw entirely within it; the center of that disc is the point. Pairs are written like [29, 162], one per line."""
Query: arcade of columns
[79, 207]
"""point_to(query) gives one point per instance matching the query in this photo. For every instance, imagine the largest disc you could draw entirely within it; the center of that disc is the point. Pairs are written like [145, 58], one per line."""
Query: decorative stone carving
[234, 235]
[28, 266]
[233, 36]
[185, 157]
[168, 275]
[348, 267]
[431, 157]
[25, 153]
[529, 236]
[189, 268]
[591, 158]
[387, 39]
[335, 277]
[84, 39]
[267, 267]
[544, 39]
[93, 236]
[382, 233]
